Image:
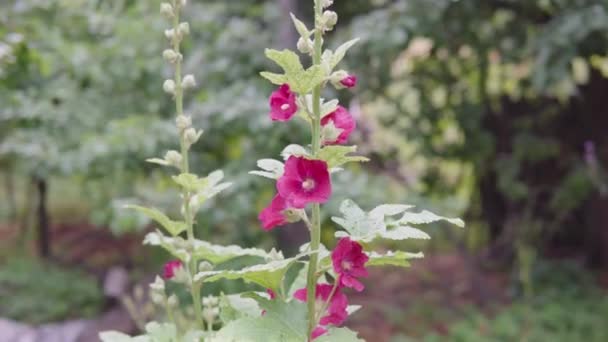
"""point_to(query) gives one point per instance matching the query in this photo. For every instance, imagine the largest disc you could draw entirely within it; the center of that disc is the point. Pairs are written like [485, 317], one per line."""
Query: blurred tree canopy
[477, 105]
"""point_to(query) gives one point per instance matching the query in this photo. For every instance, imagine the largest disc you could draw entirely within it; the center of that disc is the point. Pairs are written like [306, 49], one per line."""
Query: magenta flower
[304, 181]
[170, 268]
[335, 313]
[282, 104]
[271, 294]
[272, 215]
[349, 81]
[349, 263]
[318, 331]
[342, 120]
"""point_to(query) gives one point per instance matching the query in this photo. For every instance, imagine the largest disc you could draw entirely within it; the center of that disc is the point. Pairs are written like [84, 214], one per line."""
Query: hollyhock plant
[341, 121]
[273, 215]
[171, 268]
[304, 181]
[349, 81]
[283, 104]
[349, 260]
[332, 299]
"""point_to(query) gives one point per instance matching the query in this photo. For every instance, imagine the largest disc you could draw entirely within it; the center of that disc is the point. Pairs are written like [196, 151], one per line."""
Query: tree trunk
[44, 243]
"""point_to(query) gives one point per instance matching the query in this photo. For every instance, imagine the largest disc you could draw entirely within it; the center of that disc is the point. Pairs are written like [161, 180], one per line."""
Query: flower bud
[305, 45]
[169, 33]
[158, 285]
[326, 3]
[329, 19]
[183, 122]
[169, 87]
[174, 158]
[184, 29]
[171, 56]
[210, 301]
[166, 10]
[191, 136]
[337, 77]
[188, 82]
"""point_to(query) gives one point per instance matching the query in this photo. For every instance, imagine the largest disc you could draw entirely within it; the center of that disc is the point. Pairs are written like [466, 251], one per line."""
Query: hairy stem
[195, 289]
[315, 232]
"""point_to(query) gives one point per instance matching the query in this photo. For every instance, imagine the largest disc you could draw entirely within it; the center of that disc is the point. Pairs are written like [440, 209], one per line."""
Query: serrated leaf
[161, 332]
[384, 210]
[235, 306]
[339, 335]
[202, 250]
[341, 52]
[259, 329]
[337, 155]
[301, 81]
[274, 78]
[172, 227]
[398, 258]
[273, 169]
[404, 233]
[425, 217]
[269, 275]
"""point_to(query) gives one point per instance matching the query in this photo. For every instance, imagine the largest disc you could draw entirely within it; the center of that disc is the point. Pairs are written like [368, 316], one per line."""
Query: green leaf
[282, 322]
[274, 78]
[269, 276]
[339, 335]
[367, 227]
[398, 258]
[337, 155]
[341, 52]
[172, 227]
[301, 81]
[300, 27]
[235, 306]
[161, 332]
[215, 254]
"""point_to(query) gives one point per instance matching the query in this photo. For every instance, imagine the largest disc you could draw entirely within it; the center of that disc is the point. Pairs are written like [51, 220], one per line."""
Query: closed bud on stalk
[191, 136]
[170, 33]
[337, 77]
[330, 19]
[169, 87]
[184, 29]
[188, 82]
[183, 122]
[305, 45]
[171, 56]
[210, 301]
[166, 10]
[174, 158]
[326, 3]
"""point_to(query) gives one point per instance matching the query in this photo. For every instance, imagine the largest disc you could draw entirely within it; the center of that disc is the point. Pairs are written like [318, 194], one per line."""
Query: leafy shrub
[37, 292]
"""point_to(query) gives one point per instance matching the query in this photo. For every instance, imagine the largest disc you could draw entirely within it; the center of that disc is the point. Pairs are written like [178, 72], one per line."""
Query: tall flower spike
[304, 181]
[349, 261]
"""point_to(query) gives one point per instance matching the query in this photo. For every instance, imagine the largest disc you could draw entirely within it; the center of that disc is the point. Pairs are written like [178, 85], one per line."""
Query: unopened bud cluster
[211, 310]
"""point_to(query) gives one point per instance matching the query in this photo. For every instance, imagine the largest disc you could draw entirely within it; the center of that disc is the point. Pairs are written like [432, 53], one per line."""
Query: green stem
[315, 232]
[186, 195]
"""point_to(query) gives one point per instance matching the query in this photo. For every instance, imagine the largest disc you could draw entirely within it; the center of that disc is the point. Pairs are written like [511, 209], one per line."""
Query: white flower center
[308, 184]
[285, 106]
[347, 265]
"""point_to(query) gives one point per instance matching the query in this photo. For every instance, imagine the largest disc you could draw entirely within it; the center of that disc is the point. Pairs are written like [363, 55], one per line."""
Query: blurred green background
[491, 110]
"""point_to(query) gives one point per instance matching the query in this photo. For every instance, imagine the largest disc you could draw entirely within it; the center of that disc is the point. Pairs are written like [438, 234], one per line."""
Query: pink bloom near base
[170, 268]
[342, 119]
[335, 313]
[282, 104]
[304, 181]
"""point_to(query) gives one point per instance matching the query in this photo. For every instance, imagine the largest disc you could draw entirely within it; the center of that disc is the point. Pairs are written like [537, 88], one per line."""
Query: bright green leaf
[337, 155]
[173, 227]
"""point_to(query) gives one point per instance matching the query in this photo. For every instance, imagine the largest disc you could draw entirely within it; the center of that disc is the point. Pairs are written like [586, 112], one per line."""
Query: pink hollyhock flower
[318, 331]
[349, 261]
[272, 215]
[335, 313]
[304, 181]
[342, 120]
[349, 81]
[170, 268]
[282, 104]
